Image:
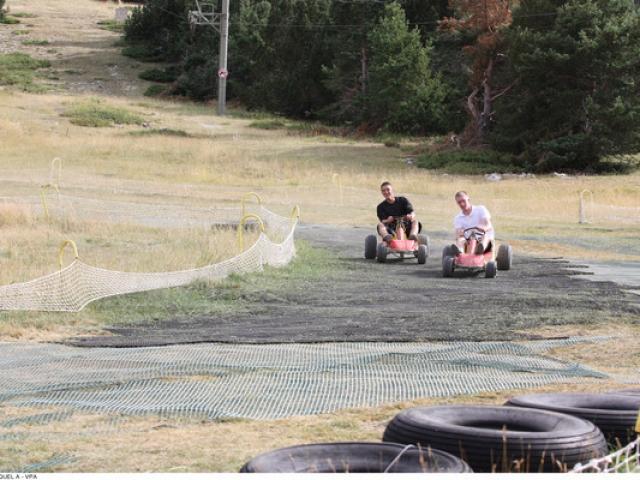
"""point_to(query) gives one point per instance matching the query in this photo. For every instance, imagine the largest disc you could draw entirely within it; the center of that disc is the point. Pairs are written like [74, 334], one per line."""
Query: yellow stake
[57, 160]
[241, 228]
[247, 196]
[43, 197]
[63, 246]
[295, 214]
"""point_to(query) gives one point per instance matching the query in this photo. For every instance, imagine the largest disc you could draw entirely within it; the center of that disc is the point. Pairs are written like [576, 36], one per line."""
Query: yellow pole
[43, 197]
[247, 196]
[63, 246]
[243, 221]
[295, 214]
[57, 160]
[338, 183]
[582, 214]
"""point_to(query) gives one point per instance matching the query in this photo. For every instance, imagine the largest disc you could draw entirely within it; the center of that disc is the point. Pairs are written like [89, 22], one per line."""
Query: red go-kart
[489, 262]
[399, 246]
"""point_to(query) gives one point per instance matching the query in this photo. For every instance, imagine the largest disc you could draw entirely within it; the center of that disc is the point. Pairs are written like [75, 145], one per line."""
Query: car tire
[500, 439]
[422, 254]
[490, 269]
[381, 252]
[370, 246]
[614, 414]
[504, 257]
[355, 457]
[448, 267]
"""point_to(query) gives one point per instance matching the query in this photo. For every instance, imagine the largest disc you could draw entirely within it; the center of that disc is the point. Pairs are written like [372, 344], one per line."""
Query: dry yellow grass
[153, 444]
[333, 180]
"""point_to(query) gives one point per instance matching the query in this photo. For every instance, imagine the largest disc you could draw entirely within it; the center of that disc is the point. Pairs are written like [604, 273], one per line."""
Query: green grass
[111, 26]
[7, 20]
[268, 124]
[21, 32]
[169, 132]
[201, 298]
[226, 296]
[18, 69]
[35, 42]
[155, 90]
[24, 15]
[96, 113]
[469, 162]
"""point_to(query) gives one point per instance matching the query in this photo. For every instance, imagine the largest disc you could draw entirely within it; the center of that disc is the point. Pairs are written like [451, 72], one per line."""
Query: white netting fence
[73, 287]
[625, 460]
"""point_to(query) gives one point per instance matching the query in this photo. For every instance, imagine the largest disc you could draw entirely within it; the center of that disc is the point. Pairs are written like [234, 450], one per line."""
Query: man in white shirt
[472, 216]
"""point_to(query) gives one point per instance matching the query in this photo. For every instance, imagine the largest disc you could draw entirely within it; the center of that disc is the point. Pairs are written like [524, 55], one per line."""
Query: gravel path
[363, 300]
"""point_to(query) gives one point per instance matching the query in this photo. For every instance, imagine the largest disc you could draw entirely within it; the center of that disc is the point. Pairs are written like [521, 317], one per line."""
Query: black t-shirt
[399, 208]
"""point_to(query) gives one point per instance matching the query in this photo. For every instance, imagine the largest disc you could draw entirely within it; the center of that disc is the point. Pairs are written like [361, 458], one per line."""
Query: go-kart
[488, 262]
[398, 246]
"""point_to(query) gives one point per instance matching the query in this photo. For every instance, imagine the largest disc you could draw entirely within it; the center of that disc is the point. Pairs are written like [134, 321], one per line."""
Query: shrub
[142, 52]
[469, 162]
[155, 90]
[167, 75]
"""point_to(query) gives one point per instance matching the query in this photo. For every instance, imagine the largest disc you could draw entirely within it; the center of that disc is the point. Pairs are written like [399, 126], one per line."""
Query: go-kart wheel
[370, 245]
[491, 269]
[504, 257]
[447, 252]
[424, 240]
[382, 253]
[448, 265]
[422, 254]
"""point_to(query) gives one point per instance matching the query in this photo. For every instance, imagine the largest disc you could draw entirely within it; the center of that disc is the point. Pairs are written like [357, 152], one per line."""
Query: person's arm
[458, 229]
[408, 208]
[485, 220]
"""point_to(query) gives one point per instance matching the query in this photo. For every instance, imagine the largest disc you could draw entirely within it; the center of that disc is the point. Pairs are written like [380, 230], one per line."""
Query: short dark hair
[384, 184]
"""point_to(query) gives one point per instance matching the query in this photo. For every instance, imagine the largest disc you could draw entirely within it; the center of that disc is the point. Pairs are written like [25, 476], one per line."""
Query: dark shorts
[407, 227]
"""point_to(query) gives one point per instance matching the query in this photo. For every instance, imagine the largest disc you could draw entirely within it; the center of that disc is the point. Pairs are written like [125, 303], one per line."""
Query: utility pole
[222, 70]
[205, 14]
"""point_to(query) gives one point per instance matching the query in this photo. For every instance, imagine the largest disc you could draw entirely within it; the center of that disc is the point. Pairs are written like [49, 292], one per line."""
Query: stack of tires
[500, 439]
[530, 433]
[614, 413]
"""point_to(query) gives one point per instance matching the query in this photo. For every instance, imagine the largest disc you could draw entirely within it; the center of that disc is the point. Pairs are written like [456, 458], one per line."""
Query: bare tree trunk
[487, 103]
[365, 71]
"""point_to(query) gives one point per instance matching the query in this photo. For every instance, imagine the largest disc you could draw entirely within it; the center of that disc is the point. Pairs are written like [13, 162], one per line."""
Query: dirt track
[363, 300]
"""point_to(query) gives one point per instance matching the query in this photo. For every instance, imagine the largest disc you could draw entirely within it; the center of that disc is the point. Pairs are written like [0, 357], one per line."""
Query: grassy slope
[221, 160]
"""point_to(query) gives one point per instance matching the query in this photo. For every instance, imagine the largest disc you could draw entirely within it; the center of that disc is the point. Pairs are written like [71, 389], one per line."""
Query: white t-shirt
[479, 215]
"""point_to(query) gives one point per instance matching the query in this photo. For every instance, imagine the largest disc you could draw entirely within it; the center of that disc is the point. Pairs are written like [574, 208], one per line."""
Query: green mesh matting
[267, 381]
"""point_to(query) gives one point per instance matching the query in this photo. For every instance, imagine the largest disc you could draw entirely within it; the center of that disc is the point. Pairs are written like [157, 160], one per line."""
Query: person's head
[387, 191]
[462, 199]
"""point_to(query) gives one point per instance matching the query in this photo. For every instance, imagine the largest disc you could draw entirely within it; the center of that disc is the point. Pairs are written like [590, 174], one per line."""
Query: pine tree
[576, 98]
[403, 94]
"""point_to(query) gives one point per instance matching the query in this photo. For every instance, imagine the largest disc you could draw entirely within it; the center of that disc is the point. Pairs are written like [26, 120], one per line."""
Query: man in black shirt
[391, 207]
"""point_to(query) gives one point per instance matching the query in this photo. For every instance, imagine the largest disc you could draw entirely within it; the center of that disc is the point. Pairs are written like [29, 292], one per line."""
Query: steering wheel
[476, 232]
